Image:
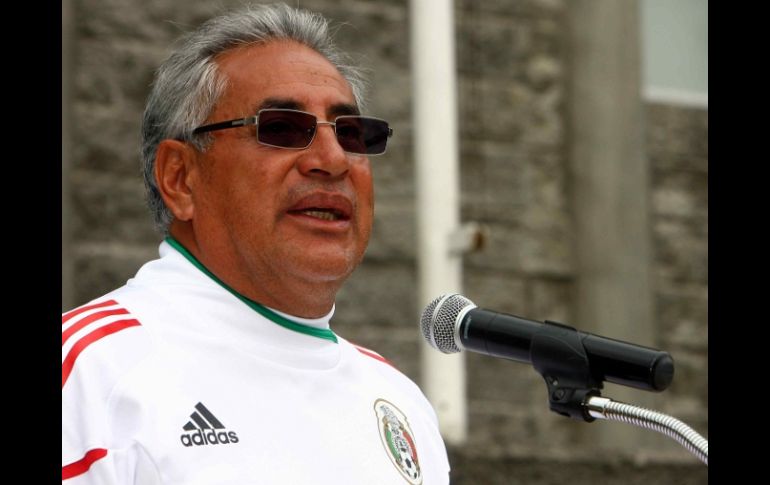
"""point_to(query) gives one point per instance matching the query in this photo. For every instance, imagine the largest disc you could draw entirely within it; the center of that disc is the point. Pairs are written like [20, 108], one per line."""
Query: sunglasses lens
[287, 129]
[358, 134]
[295, 129]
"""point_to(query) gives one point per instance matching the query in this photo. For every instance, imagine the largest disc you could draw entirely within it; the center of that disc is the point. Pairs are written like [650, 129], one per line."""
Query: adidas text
[209, 437]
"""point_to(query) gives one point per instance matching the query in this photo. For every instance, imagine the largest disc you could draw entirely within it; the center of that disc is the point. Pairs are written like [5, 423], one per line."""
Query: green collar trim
[261, 309]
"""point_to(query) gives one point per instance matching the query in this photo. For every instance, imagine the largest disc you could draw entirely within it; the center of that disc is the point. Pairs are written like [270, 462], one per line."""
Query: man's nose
[324, 157]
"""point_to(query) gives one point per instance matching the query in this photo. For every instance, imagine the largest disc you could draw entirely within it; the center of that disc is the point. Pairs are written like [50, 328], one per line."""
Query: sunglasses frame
[254, 120]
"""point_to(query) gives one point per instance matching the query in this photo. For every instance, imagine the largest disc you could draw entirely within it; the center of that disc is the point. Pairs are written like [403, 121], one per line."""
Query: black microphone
[452, 323]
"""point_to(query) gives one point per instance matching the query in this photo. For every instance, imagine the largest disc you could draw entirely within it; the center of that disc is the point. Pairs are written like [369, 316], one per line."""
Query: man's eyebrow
[343, 109]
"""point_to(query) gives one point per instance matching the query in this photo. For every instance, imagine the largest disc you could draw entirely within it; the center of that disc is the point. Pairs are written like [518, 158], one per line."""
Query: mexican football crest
[398, 440]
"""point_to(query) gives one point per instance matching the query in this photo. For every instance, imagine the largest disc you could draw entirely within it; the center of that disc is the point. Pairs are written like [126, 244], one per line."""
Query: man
[216, 363]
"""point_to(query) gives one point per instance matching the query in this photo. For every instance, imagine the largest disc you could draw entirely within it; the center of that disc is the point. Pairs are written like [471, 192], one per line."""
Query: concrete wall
[514, 83]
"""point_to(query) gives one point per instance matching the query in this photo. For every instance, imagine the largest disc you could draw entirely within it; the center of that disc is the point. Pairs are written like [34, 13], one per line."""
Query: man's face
[266, 215]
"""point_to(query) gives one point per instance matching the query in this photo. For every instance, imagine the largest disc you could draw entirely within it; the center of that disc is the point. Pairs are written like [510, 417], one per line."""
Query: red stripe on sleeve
[78, 311]
[374, 355]
[81, 466]
[90, 318]
[80, 345]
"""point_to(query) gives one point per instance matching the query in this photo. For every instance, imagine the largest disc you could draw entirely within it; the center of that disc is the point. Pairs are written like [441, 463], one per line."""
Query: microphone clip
[557, 353]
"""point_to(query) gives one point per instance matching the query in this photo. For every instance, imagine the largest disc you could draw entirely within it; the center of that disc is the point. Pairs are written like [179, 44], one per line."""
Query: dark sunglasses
[288, 128]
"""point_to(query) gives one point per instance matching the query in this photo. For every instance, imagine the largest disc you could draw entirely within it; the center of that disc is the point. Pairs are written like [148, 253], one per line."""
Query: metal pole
[437, 166]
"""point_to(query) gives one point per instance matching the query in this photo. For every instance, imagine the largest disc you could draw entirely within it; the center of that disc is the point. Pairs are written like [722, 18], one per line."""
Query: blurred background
[583, 152]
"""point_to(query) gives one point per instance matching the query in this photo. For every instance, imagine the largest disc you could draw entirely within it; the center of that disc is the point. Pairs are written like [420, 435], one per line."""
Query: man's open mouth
[323, 206]
[324, 214]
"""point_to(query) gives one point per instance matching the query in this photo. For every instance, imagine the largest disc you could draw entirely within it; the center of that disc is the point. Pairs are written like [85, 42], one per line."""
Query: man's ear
[174, 163]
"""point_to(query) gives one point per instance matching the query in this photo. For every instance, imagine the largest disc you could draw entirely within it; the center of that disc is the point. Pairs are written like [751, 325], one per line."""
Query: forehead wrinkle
[286, 75]
[282, 103]
[336, 109]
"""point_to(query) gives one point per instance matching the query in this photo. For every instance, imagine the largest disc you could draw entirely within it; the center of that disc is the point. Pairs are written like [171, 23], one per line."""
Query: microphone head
[439, 319]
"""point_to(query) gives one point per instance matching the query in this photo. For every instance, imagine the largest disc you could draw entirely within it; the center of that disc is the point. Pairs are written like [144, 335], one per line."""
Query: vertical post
[437, 166]
[609, 173]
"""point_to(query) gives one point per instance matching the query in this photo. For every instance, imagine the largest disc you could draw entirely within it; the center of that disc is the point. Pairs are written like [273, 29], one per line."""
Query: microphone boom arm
[602, 407]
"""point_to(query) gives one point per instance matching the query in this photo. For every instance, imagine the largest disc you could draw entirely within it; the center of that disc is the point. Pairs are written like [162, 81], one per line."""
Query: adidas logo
[205, 429]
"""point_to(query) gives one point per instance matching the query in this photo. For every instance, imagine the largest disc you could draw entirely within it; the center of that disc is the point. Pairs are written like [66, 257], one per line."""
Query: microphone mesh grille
[438, 322]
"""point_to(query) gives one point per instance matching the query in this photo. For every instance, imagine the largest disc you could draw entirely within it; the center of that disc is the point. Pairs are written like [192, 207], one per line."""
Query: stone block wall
[677, 148]
[513, 78]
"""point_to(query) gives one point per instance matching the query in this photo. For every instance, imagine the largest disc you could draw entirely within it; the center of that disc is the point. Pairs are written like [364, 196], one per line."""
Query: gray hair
[188, 85]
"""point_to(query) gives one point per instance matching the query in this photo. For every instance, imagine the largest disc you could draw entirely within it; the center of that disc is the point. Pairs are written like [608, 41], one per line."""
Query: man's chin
[320, 265]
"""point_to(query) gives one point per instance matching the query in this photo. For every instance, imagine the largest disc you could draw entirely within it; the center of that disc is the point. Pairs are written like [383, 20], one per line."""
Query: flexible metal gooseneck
[604, 408]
